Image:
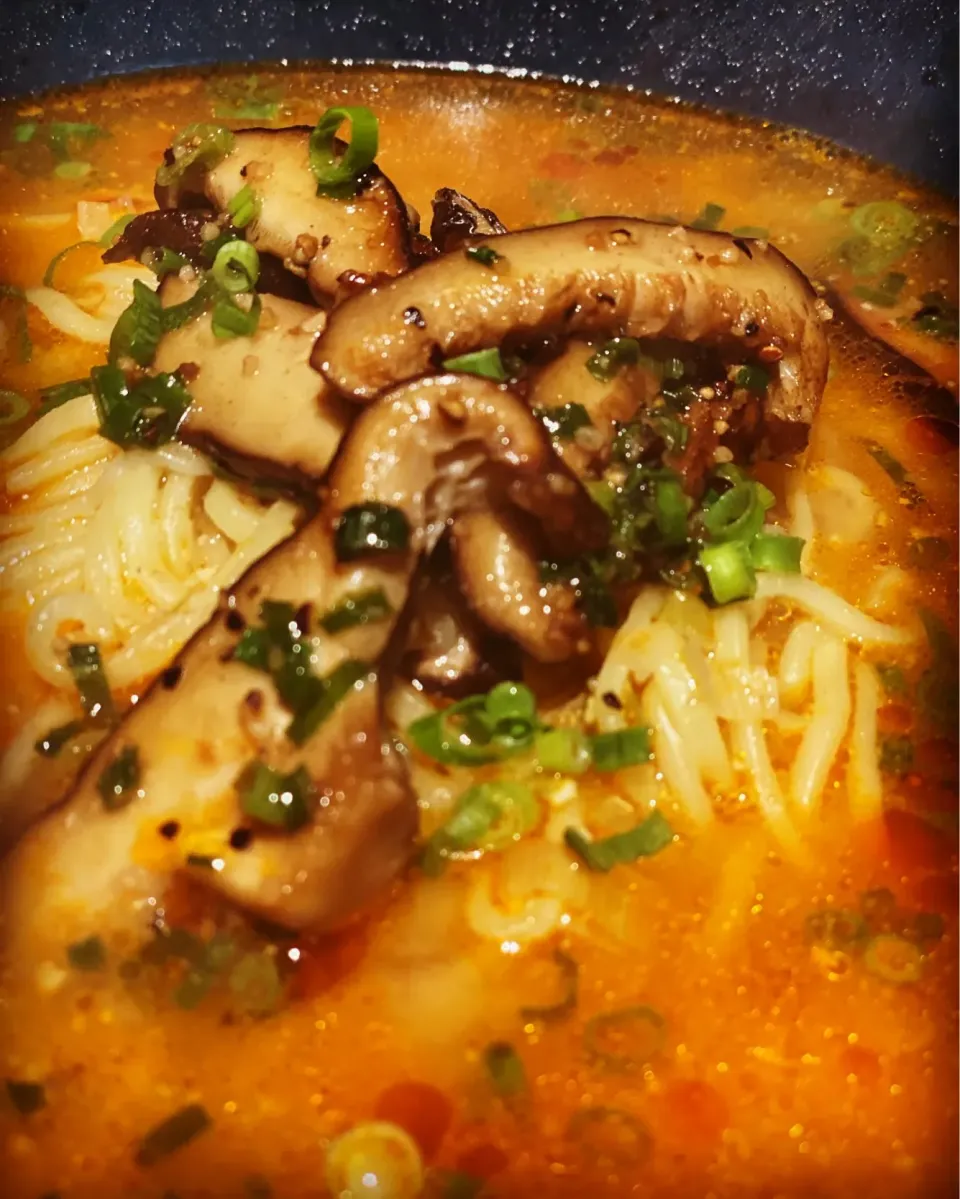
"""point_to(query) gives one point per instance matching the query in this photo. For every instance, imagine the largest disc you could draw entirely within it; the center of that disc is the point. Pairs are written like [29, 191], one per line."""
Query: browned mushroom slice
[189, 232]
[456, 219]
[606, 275]
[318, 237]
[895, 326]
[256, 396]
[497, 555]
[181, 759]
[447, 650]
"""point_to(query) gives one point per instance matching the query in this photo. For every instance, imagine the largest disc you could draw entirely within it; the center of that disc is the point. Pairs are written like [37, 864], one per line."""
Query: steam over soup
[478, 590]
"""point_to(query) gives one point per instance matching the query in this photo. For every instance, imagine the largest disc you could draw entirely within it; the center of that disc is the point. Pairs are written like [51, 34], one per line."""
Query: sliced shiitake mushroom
[605, 276]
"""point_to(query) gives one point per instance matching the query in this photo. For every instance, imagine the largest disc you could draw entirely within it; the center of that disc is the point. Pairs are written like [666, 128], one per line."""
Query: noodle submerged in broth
[481, 708]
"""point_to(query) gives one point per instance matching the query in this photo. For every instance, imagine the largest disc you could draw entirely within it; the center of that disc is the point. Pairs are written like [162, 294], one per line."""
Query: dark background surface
[877, 75]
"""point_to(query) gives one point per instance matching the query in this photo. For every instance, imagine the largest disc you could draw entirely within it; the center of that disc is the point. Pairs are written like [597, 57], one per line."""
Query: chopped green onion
[88, 954]
[937, 317]
[645, 840]
[13, 407]
[565, 420]
[200, 142]
[24, 345]
[773, 551]
[481, 728]
[886, 293]
[709, 217]
[753, 378]
[120, 779]
[569, 970]
[485, 255]
[339, 175]
[487, 364]
[279, 800]
[139, 328]
[884, 222]
[244, 99]
[178, 315]
[505, 1068]
[626, 1039]
[172, 1134]
[26, 1097]
[147, 413]
[619, 749]
[488, 816]
[72, 170]
[896, 755]
[892, 679]
[107, 239]
[62, 393]
[606, 362]
[729, 571]
[236, 267]
[24, 132]
[671, 431]
[50, 744]
[230, 320]
[244, 207]
[332, 690]
[738, 514]
[367, 529]
[894, 959]
[562, 751]
[86, 666]
[835, 928]
[50, 273]
[910, 493]
[610, 1135]
[64, 136]
[671, 507]
[359, 608]
[256, 984]
[164, 262]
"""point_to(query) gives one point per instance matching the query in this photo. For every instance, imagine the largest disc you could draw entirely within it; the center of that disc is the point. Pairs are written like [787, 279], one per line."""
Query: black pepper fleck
[751, 329]
[171, 676]
[612, 700]
[169, 829]
[253, 700]
[413, 316]
[240, 838]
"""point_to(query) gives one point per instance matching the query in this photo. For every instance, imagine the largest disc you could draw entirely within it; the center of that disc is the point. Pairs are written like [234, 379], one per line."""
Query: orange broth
[784, 1070]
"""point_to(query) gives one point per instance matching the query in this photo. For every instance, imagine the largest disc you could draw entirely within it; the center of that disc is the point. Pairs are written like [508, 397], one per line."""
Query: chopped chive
[605, 363]
[86, 666]
[487, 364]
[505, 1069]
[564, 421]
[729, 570]
[626, 1039]
[619, 749]
[334, 688]
[24, 132]
[62, 393]
[569, 970]
[244, 207]
[200, 142]
[230, 320]
[278, 800]
[72, 170]
[139, 328]
[776, 552]
[835, 928]
[49, 274]
[13, 407]
[894, 959]
[753, 378]
[367, 529]
[236, 267]
[172, 1134]
[760, 232]
[709, 217]
[562, 751]
[51, 743]
[909, 492]
[885, 294]
[111, 235]
[255, 984]
[339, 174]
[646, 839]
[358, 608]
[146, 413]
[88, 954]
[485, 255]
[118, 781]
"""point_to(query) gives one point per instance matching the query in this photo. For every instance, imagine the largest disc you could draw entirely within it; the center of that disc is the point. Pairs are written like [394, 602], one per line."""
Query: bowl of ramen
[480, 646]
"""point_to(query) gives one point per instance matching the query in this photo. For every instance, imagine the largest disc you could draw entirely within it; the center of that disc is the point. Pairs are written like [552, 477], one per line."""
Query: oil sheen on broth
[766, 1005]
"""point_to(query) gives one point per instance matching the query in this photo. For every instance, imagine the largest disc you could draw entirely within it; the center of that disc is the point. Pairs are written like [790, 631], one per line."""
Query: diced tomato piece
[695, 1112]
[483, 1161]
[422, 1110]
